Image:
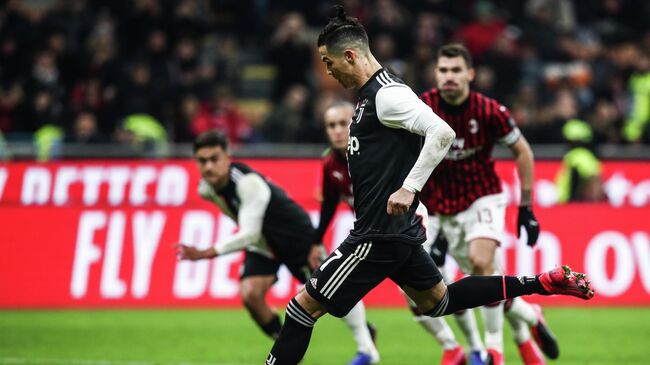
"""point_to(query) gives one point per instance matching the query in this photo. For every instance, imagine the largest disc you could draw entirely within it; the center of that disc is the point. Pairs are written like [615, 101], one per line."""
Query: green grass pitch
[228, 337]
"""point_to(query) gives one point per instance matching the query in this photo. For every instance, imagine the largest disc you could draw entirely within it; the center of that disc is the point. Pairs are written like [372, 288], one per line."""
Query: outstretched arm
[254, 194]
[525, 165]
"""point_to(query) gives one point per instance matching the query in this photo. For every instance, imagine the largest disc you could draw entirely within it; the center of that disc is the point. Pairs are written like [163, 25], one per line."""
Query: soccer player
[388, 166]
[337, 187]
[273, 230]
[464, 192]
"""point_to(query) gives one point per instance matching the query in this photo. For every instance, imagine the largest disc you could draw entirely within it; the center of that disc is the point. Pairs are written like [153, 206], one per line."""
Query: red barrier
[100, 234]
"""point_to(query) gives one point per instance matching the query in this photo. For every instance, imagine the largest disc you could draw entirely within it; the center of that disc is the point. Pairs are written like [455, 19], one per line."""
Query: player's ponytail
[339, 14]
[343, 29]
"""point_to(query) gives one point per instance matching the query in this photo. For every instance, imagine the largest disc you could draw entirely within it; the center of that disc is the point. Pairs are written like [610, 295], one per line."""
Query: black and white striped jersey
[381, 153]
[287, 230]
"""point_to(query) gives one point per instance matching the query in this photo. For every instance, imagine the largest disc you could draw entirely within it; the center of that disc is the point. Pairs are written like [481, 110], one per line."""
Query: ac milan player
[388, 167]
[464, 193]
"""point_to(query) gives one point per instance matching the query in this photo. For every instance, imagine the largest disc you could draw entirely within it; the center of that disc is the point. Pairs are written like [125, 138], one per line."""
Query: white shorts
[485, 218]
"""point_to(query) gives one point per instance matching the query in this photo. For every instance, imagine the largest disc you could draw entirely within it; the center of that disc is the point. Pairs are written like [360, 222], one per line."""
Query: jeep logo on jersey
[353, 145]
[358, 113]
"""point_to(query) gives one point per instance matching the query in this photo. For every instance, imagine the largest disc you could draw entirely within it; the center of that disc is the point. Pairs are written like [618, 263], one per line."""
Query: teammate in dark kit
[273, 230]
[388, 166]
[337, 187]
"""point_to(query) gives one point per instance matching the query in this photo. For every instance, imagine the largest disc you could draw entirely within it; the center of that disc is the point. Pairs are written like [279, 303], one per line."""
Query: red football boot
[495, 357]
[455, 356]
[530, 354]
[563, 281]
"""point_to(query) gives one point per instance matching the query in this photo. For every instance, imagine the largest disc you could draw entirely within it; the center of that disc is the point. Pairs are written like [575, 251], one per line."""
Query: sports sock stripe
[296, 312]
[442, 306]
[292, 314]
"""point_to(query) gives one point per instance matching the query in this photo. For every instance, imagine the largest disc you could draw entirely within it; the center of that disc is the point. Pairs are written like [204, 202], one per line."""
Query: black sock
[272, 327]
[474, 291]
[294, 337]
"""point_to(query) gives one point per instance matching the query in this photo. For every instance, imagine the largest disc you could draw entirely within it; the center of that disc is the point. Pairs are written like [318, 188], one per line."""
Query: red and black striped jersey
[337, 185]
[467, 171]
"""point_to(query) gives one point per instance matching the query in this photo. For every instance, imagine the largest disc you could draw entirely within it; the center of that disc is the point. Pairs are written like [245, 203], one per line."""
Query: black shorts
[257, 264]
[358, 266]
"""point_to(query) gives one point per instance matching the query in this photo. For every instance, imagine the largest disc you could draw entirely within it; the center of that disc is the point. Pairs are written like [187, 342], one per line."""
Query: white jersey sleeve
[398, 107]
[254, 196]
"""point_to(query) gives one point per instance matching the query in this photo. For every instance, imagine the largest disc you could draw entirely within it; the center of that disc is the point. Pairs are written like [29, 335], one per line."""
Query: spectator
[221, 114]
[579, 178]
[189, 113]
[185, 65]
[137, 95]
[288, 118]
[551, 118]
[291, 55]
[384, 51]
[85, 130]
[480, 35]
[143, 135]
[606, 122]
[11, 96]
[115, 58]
[637, 126]
[388, 16]
[45, 75]
[41, 110]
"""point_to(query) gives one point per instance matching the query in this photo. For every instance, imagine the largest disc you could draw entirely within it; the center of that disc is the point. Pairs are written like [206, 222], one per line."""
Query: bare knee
[252, 296]
[482, 265]
[310, 305]
[427, 300]
[481, 256]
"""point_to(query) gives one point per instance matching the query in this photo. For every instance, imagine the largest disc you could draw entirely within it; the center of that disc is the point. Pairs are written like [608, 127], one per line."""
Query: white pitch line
[36, 361]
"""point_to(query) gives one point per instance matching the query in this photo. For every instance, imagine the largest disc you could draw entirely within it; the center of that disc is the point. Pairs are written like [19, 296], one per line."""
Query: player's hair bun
[339, 13]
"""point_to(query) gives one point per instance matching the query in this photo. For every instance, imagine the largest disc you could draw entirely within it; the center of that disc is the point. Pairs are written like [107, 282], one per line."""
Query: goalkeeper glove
[527, 221]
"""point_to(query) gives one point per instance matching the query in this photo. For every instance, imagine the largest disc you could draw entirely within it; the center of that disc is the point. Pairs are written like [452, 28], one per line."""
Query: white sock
[523, 311]
[467, 323]
[440, 330]
[356, 320]
[520, 330]
[493, 319]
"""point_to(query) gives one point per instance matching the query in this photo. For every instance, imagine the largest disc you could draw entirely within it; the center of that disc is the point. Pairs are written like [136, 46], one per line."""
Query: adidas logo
[313, 282]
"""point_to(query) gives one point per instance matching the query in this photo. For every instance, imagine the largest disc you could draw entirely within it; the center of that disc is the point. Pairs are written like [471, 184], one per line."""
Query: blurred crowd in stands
[144, 72]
